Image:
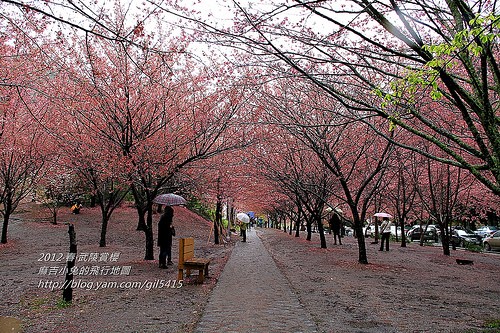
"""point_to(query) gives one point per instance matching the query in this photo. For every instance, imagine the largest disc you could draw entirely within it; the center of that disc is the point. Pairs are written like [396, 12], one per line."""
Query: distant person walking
[165, 232]
[385, 231]
[335, 227]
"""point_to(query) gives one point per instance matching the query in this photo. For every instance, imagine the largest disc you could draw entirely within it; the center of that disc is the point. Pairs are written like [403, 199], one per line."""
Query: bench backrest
[186, 249]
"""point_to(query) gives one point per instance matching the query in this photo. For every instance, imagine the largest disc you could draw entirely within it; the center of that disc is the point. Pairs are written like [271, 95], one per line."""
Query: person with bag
[165, 233]
[385, 231]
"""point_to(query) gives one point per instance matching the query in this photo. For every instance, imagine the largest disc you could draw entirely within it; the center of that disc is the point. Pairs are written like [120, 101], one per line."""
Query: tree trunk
[218, 218]
[309, 230]
[403, 235]
[104, 228]
[358, 229]
[7, 211]
[321, 231]
[376, 231]
[68, 289]
[4, 228]
[54, 216]
[149, 255]
[141, 225]
[445, 238]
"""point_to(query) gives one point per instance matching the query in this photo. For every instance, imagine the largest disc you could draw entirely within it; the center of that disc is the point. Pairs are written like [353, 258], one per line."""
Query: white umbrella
[243, 217]
[382, 215]
[169, 199]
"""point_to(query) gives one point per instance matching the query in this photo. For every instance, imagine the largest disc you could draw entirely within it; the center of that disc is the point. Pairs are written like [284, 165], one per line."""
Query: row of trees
[115, 117]
[324, 163]
[421, 75]
[364, 106]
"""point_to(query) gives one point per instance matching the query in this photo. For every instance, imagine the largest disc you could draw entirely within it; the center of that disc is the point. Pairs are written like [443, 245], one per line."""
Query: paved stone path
[253, 296]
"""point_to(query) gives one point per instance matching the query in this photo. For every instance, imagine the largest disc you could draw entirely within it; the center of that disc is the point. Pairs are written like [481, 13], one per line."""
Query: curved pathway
[253, 296]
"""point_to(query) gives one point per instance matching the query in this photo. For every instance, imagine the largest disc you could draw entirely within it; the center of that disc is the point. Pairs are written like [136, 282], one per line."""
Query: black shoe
[170, 263]
[163, 266]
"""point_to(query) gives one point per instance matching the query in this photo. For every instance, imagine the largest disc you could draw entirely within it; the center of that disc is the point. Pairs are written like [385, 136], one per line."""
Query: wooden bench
[187, 261]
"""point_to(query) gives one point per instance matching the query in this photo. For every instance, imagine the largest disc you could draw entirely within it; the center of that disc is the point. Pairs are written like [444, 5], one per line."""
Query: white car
[431, 233]
[486, 230]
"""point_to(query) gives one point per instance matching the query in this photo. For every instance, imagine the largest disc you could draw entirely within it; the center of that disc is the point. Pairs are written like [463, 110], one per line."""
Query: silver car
[492, 242]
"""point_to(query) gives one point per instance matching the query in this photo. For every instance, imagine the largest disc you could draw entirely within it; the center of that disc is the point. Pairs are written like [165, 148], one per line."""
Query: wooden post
[68, 290]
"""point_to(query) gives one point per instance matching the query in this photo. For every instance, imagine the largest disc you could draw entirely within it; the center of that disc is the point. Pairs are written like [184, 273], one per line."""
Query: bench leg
[200, 276]
[206, 270]
[180, 275]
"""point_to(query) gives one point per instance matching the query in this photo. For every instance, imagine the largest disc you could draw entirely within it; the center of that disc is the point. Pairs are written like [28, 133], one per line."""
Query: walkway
[253, 296]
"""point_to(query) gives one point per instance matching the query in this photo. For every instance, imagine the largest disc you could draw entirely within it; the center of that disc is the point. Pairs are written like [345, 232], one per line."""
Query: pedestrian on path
[243, 231]
[385, 231]
[165, 232]
[75, 209]
[335, 226]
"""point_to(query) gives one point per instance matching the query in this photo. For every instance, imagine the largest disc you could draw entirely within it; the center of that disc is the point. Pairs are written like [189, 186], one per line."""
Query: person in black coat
[165, 232]
[335, 226]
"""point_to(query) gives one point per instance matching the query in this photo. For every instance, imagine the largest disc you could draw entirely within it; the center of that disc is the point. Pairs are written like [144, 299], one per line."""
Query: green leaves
[469, 42]
[481, 31]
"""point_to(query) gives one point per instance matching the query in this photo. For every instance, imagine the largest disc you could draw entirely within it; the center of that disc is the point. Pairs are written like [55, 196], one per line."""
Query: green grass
[62, 304]
[45, 304]
[474, 248]
[489, 326]
[494, 323]
[39, 303]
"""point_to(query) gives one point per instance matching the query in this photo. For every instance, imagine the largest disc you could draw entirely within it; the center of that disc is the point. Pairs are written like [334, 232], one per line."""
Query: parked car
[349, 231]
[464, 237]
[431, 233]
[492, 242]
[486, 230]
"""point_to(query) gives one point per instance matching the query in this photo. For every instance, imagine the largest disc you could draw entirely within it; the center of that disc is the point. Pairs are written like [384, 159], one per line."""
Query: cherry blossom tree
[21, 159]
[298, 173]
[349, 150]
[155, 112]
[58, 188]
[429, 68]
[24, 147]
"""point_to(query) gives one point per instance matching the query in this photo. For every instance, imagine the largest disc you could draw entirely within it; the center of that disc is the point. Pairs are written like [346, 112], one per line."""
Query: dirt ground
[147, 299]
[413, 289]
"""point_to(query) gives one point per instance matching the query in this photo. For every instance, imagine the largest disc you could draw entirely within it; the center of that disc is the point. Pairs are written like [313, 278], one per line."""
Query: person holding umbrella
[244, 220]
[165, 232]
[243, 230]
[385, 231]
